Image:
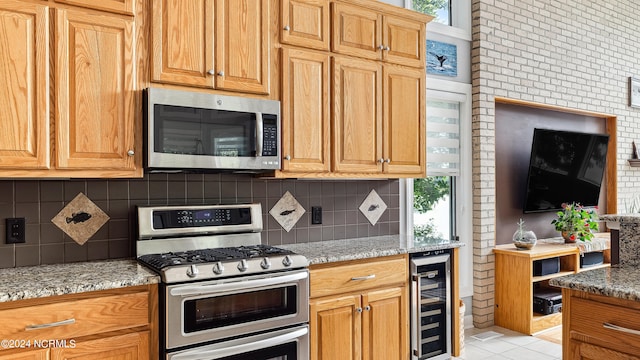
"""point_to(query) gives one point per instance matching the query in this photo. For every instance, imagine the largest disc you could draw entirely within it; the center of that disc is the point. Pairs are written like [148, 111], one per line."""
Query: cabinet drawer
[588, 318]
[75, 318]
[357, 276]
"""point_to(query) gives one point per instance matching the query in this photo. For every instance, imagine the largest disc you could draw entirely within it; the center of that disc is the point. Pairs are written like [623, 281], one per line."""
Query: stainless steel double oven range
[223, 295]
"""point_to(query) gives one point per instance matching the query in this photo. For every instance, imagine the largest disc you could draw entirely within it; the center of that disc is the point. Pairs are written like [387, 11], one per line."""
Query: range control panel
[186, 218]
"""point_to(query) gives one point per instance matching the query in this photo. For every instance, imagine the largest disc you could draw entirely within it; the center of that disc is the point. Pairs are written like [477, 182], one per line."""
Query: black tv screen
[565, 167]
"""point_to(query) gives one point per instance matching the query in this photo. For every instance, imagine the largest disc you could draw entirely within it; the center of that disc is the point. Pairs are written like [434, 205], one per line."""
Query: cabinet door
[24, 94]
[305, 23]
[335, 328]
[583, 351]
[117, 6]
[404, 42]
[357, 31]
[242, 45]
[94, 86]
[357, 116]
[385, 324]
[182, 42]
[37, 354]
[305, 111]
[133, 346]
[404, 120]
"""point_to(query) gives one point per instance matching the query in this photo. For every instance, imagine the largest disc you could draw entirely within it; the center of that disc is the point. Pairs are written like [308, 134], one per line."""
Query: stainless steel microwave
[191, 131]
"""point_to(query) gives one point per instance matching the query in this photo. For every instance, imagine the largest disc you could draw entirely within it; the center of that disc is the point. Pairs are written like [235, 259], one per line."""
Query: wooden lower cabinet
[119, 324]
[362, 312]
[598, 327]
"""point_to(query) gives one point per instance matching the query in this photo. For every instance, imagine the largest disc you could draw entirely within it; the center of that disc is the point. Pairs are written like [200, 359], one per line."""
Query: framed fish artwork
[442, 58]
[634, 92]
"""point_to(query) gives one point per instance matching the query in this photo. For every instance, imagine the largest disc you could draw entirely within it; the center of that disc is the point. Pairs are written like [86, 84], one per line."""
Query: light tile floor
[511, 345]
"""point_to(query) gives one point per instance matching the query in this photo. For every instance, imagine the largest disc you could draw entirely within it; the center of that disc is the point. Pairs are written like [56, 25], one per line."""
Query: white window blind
[443, 137]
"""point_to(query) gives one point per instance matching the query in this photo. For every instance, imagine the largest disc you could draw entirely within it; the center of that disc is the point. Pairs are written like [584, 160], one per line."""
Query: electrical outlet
[15, 230]
[316, 215]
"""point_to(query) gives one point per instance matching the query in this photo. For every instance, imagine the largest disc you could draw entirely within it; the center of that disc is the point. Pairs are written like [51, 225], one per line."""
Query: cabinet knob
[367, 308]
[288, 157]
[131, 152]
[220, 73]
[387, 48]
[381, 160]
[380, 47]
[287, 28]
[359, 309]
[387, 161]
[211, 72]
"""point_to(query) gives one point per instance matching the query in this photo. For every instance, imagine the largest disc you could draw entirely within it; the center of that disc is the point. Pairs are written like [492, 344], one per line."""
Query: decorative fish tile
[373, 207]
[287, 211]
[80, 219]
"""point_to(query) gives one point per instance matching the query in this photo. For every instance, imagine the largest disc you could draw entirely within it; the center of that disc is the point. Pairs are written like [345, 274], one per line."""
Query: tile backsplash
[38, 201]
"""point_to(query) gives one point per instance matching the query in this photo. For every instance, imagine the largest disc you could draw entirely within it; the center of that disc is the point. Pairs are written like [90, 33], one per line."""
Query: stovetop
[227, 254]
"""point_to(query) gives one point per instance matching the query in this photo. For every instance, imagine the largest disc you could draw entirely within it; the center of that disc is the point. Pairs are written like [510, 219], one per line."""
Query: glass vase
[524, 240]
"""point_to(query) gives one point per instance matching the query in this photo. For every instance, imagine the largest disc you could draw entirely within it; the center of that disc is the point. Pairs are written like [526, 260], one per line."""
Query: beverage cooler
[431, 305]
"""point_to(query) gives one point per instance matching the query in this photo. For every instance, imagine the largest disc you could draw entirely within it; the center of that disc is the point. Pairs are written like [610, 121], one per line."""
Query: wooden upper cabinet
[24, 94]
[305, 23]
[371, 34]
[357, 31]
[242, 45]
[405, 41]
[221, 44]
[357, 115]
[182, 42]
[94, 115]
[305, 111]
[404, 120]
[116, 6]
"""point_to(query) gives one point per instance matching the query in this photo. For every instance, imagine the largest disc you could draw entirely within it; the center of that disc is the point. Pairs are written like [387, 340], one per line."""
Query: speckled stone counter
[628, 227]
[60, 279]
[617, 282]
[363, 248]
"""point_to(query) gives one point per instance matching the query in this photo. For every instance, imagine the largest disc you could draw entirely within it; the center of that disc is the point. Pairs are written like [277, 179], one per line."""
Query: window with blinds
[443, 137]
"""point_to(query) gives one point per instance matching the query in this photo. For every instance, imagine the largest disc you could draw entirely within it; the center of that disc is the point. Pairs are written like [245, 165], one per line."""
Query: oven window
[281, 352]
[231, 309]
[195, 131]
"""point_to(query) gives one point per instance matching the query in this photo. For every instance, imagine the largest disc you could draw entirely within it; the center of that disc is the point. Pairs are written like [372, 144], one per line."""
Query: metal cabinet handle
[381, 160]
[50, 325]
[380, 47]
[387, 48]
[288, 157]
[367, 308]
[359, 309]
[359, 278]
[211, 72]
[287, 28]
[620, 328]
[131, 152]
[387, 161]
[220, 73]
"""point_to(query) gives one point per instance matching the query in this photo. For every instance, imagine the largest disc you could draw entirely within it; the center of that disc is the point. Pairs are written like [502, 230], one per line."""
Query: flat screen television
[565, 167]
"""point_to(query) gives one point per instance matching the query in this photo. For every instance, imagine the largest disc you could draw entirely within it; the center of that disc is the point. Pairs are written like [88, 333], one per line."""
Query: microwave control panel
[270, 135]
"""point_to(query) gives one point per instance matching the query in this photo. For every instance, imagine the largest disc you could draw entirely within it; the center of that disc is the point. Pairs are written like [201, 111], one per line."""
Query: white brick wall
[576, 54]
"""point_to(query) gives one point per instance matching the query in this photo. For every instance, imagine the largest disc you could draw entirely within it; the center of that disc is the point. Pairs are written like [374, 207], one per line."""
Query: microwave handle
[241, 348]
[259, 133]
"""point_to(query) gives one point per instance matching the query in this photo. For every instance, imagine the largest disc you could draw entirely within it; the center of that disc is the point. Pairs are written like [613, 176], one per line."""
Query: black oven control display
[184, 218]
[269, 135]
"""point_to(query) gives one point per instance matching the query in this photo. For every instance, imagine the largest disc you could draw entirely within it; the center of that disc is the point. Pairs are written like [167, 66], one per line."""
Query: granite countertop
[321, 252]
[622, 218]
[47, 280]
[617, 282]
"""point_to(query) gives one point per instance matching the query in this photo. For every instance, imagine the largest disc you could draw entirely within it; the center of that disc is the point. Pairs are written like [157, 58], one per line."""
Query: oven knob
[218, 268]
[265, 263]
[286, 261]
[192, 271]
[242, 266]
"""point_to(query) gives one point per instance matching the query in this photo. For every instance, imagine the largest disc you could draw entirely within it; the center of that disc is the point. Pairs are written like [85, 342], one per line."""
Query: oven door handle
[242, 348]
[237, 285]
[259, 134]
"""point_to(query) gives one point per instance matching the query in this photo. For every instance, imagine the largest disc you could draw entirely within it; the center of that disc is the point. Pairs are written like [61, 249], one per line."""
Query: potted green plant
[576, 222]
